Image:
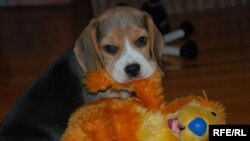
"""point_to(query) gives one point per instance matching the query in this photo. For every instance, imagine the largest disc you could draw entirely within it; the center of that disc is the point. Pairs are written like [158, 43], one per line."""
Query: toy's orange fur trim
[105, 120]
[148, 90]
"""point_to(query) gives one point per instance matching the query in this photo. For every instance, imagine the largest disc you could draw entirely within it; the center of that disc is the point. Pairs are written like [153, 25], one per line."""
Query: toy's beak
[175, 125]
[198, 126]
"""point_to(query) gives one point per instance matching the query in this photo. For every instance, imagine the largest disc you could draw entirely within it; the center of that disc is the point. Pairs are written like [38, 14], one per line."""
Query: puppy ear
[155, 38]
[86, 48]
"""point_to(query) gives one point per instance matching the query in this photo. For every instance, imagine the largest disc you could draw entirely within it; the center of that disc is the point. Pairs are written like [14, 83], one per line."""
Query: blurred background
[34, 33]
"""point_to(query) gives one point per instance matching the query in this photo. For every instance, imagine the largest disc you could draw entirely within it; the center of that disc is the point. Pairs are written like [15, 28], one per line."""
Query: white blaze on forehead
[132, 56]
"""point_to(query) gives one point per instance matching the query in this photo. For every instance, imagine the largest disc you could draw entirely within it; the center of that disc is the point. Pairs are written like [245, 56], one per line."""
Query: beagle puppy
[124, 41]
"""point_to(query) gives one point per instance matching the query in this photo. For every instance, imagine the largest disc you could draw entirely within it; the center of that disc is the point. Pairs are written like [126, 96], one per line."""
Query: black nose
[132, 70]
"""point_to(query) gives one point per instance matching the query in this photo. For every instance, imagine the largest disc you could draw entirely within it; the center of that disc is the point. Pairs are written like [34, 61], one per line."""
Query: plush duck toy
[142, 118]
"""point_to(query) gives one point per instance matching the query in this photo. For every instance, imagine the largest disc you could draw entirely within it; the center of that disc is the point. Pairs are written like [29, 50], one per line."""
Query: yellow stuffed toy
[142, 118]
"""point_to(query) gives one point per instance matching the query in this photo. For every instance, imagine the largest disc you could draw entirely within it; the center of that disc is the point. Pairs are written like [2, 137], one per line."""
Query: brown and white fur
[125, 42]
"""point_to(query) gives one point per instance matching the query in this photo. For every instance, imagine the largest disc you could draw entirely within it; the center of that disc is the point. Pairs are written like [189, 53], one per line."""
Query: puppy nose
[132, 70]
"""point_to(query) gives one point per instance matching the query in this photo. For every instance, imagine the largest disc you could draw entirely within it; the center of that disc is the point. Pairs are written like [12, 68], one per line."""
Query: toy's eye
[213, 113]
[182, 128]
[110, 49]
[141, 41]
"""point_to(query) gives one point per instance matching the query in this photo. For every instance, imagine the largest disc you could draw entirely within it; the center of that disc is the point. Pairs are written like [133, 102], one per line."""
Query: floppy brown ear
[155, 38]
[86, 48]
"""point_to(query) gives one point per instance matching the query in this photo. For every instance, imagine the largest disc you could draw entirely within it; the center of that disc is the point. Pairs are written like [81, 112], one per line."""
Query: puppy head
[125, 42]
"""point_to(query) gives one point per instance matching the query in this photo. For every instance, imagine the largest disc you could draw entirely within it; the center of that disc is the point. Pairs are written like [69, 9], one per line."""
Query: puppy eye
[110, 49]
[213, 113]
[141, 41]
